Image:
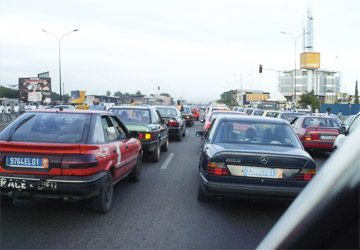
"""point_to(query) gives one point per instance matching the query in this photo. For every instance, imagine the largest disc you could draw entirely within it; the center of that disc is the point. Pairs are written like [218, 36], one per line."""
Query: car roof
[254, 119]
[68, 111]
[131, 107]
[228, 112]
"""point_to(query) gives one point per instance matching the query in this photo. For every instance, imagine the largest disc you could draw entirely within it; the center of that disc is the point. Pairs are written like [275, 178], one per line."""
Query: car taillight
[78, 161]
[173, 123]
[308, 136]
[208, 125]
[187, 117]
[306, 175]
[146, 136]
[217, 168]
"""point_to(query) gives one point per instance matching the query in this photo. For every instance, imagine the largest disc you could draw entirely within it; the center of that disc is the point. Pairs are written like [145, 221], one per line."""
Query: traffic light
[260, 68]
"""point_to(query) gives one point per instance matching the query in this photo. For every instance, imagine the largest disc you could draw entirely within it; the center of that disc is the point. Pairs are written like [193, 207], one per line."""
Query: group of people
[6, 111]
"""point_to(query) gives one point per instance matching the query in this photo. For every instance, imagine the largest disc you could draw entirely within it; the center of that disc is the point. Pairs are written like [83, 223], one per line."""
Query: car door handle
[126, 146]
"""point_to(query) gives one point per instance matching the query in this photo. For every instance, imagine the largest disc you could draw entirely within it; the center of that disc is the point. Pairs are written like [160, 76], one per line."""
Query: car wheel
[179, 137]
[102, 202]
[6, 201]
[201, 196]
[190, 124]
[184, 134]
[155, 155]
[135, 174]
[165, 147]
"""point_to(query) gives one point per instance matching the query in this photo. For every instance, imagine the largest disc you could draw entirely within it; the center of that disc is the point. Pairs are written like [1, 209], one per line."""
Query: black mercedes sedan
[252, 157]
[176, 123]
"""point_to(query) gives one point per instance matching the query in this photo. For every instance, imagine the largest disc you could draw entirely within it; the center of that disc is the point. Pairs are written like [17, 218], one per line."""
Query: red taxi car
[214, 114]
[195, 112]
[67, 154]
[316, 132]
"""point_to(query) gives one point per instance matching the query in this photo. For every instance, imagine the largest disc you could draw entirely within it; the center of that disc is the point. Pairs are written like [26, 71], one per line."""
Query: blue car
[252, 157]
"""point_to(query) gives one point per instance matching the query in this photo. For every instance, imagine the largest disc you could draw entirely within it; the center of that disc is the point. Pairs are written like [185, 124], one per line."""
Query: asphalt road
[161, 211]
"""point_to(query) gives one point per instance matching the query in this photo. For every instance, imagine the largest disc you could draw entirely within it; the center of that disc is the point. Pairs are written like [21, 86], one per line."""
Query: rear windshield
[320, 122]
[256, 133]
[289, 116]
[167, 111]
[187, 110]
[49, 127]
[132, 115]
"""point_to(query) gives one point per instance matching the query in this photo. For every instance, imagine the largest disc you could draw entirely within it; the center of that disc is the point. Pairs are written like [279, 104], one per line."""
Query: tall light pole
[59, 41]
[294, 75]
[333, 94]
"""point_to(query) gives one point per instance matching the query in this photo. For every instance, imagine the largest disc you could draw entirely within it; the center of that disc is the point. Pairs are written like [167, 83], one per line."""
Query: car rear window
[289, 116]
[187, 110]
[320, 122]
[256, 133]
[49, 127]
[167, 111]
[132, 115]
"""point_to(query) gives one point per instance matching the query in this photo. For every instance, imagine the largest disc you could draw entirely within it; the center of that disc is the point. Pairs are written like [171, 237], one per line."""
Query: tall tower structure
[309, 45]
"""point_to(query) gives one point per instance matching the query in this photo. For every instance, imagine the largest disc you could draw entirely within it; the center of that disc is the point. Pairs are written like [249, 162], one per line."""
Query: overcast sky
[190, 48]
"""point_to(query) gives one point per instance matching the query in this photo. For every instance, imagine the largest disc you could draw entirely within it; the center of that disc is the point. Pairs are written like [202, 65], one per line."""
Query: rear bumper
[324, 145]
[57, 187]
[251, 191]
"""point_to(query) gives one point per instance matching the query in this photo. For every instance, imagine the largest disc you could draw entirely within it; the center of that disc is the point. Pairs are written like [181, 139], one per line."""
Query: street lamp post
[294, 75]
[59, 41]
[333, 92]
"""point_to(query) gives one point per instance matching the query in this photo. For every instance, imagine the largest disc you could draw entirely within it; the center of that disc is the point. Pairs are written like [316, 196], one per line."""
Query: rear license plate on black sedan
[262, 172]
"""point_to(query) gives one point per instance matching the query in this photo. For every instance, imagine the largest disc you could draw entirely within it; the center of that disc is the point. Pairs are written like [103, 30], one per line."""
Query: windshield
[289, 116]
[49, 127]
[320, 122]
[167, 111]
[132, 115]
[258, 133]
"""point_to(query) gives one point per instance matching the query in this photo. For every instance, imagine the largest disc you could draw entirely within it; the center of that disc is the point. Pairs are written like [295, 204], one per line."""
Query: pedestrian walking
[16, 110]
[2, 110]
[8, 113]
[96, 105]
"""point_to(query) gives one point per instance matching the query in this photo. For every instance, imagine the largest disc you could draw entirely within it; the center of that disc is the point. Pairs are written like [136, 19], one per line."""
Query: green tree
[108, 93]
[309, 99]
[165, 94]
[9, 92]
[54, 96]
[356, 101]
[228, 98]
[138, 93]
[118, 94]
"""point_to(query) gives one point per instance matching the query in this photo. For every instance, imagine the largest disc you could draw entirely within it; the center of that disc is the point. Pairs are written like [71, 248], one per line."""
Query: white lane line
[167, 161]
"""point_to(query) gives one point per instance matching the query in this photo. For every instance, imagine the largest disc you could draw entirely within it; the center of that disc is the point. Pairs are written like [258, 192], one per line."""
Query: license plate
[263, 172]
[19, 184]
[27, 162]
[327, 137]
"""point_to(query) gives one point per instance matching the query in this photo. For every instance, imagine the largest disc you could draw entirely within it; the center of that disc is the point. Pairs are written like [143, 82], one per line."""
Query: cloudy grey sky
[191, 48]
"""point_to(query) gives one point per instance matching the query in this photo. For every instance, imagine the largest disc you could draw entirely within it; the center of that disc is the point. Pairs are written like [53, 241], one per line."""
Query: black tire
[6, 201]
[201, 196]
[155, 155]
[184, 134]
[165, 147]
[190, 124]
[135, 174]
[179, 137]
[102, 202]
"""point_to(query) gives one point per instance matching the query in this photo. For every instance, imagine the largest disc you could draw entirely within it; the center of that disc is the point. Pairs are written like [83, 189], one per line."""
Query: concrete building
[325, 84]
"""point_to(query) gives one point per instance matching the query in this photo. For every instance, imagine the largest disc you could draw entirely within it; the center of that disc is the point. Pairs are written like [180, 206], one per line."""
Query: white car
[345, 131]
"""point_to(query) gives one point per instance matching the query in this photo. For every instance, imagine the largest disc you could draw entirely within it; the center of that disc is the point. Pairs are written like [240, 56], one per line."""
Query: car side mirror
[134, 134]
[342, 130]
[202, 120]
[200, 134]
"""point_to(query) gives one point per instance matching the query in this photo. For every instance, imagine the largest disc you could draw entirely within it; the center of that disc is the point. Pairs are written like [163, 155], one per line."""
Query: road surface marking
[167, 161]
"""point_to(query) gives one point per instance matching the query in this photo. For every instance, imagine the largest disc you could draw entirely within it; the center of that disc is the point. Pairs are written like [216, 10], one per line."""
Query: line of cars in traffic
[74, 154]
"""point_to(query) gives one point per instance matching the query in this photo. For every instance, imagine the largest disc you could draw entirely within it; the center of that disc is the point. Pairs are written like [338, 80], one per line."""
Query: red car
[67, 154]
[215, 114]
[195, 112]
[316, 132]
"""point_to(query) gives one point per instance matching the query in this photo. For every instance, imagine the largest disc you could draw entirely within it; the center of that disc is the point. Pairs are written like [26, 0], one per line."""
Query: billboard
[35, 90]
[257, 97]
[78, 96]
[310, 60]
